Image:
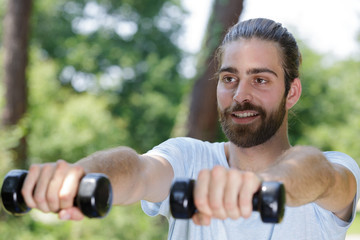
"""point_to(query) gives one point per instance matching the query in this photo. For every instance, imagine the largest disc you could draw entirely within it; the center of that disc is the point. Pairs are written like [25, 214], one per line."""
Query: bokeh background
[77, 76]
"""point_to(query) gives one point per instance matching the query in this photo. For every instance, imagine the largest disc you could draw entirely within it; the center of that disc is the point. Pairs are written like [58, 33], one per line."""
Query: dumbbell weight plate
[94, 196]
[12, 199]
[272, 204]
[181, 198]
[269, 200]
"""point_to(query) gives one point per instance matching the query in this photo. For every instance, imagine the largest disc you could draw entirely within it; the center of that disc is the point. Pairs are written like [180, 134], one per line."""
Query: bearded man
[258, 82]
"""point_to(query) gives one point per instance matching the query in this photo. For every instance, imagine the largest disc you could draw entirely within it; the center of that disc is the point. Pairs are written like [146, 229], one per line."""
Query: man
[257, 84]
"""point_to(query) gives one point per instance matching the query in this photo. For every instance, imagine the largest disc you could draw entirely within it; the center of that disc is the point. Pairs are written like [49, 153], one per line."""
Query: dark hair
[269, 30]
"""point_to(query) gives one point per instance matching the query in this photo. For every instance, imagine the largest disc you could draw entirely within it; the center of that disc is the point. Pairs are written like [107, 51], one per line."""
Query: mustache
[243, 107]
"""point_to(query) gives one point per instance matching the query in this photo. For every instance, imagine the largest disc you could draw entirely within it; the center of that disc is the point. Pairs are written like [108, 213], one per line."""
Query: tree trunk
[203, 116]
[16, 32]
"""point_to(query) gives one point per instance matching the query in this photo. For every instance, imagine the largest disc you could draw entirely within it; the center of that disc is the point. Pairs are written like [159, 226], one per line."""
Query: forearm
[123, 166]
[306, 174]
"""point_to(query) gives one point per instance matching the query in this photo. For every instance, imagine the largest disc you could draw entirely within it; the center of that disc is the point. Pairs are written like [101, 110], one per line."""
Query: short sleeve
[346, 161]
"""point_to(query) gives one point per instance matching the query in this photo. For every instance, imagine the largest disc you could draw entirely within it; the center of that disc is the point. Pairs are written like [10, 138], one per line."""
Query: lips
[245, 114]
[244, 117]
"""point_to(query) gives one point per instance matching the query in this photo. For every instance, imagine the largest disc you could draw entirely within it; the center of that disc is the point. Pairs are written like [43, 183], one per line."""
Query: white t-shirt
[188, 156]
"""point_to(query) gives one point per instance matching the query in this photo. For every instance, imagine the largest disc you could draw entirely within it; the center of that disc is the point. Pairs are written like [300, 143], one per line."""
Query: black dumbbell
[94, 197]
[269, 200]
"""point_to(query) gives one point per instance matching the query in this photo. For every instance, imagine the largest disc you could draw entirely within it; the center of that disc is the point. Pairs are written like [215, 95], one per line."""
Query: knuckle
[234, 214]
[52, 199]
[229, 205]
[200, 202]
[61, 164]
[47, 167]
[35, 167]
[248, 176]
[66, 197]
[215, 205]
[203, 174]
[39, 199]
[217, 171]
[78, 170]
[233, 175]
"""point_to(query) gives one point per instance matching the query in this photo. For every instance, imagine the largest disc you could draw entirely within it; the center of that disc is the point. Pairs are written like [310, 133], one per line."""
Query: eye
[228, 79]
[260, 81]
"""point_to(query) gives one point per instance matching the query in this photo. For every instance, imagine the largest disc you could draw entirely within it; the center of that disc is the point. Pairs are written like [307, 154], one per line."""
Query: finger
[201, 192]
[231, 194]
[72, 213]
[55, 184]
[251, 183]
[70, 186]
[201, 219]
[41, 187]
[216, 192]
[27, 190]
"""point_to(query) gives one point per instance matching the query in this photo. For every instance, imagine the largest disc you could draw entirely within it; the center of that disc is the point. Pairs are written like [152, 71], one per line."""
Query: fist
[224, 193]
[52, 187]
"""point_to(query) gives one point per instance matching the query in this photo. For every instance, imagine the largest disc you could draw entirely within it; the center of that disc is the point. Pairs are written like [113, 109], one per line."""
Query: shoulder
[335, 155]
[344, 160]
[347, 162]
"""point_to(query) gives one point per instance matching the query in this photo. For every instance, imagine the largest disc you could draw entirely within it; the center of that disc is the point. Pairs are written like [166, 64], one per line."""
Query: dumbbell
[94, 196]
[269, 200]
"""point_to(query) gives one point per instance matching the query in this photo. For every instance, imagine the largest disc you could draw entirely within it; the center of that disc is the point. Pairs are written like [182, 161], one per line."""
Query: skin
[251, 71]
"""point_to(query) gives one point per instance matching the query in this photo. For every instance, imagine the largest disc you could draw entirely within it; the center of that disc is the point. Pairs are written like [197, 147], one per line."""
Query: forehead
[252, 53]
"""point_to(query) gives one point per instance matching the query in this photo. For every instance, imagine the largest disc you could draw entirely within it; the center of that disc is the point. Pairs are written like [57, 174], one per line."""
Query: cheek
[224, 97]
[268, 103]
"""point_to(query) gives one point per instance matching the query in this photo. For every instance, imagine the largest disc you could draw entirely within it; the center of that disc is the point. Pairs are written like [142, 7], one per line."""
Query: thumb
[72, 213]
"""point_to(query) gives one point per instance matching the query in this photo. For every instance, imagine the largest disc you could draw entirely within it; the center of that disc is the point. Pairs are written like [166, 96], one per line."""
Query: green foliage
[355, 227]
[9, 139]
[66, 125]
[105, 73]
[121, 51]
[326, 115]
[101, 74]
[125, 223]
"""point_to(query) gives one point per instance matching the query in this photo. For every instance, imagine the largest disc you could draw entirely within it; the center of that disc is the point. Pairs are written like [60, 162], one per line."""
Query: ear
[294, 93]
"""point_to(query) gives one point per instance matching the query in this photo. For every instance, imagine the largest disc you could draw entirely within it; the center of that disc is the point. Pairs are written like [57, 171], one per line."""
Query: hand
[224, 193]
[52, 187]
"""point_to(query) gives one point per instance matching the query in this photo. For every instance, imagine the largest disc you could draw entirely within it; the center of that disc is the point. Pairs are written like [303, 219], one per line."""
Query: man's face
[250, 92]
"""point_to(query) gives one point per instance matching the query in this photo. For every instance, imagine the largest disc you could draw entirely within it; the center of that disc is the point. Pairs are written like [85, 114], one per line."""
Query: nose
[243, 92]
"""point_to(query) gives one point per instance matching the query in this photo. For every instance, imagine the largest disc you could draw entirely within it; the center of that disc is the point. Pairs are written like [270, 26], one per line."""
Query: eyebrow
[251, 71]
[260, 70]
[228, 69]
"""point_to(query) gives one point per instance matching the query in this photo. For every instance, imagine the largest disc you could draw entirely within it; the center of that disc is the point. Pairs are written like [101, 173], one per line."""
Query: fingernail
[65, 216]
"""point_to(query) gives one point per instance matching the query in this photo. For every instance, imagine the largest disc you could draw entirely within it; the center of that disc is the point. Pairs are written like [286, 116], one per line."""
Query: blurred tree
[16, 32]
[124, 50]
[203, 118]
[69, 126]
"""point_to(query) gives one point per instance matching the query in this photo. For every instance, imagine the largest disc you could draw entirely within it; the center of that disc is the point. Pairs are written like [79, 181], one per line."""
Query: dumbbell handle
[94, 197]
[269, 201]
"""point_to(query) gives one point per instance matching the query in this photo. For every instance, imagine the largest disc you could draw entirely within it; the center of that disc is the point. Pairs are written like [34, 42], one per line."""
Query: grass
[125, 223]
[355, 227]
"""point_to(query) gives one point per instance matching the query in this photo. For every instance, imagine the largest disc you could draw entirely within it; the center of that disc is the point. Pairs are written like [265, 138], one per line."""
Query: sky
[328, 26]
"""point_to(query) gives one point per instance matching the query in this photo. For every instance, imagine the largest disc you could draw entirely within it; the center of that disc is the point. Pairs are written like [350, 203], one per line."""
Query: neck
[259, 157]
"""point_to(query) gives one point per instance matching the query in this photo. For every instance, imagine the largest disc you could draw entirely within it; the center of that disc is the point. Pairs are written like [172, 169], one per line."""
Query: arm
[134, 177]
[309, 177]
[52, 187]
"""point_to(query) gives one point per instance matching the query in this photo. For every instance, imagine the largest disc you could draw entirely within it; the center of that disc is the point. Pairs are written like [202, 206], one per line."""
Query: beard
[253, 134]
